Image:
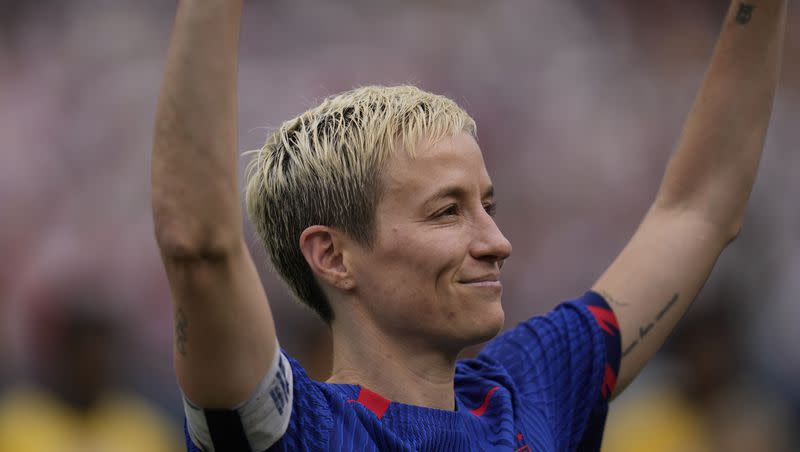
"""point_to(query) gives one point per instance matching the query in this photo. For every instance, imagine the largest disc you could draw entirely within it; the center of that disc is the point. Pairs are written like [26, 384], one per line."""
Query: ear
[322, 247]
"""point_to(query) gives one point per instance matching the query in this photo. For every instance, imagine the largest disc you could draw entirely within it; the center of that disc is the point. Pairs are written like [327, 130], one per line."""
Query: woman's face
[433, 273]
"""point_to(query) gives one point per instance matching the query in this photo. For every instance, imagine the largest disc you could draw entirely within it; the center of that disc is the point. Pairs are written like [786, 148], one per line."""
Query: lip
[487, 283]
[483, 281]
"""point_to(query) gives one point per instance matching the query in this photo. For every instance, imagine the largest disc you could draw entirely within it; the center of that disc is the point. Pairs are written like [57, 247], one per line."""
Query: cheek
[421, 267]
[403, 268]
[422, 255]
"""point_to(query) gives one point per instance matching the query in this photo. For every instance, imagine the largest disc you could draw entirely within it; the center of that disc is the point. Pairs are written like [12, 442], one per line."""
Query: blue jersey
[541, 386]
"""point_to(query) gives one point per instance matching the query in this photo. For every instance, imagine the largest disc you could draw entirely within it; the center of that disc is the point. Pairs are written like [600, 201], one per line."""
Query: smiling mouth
[487, 281]
[492, 285]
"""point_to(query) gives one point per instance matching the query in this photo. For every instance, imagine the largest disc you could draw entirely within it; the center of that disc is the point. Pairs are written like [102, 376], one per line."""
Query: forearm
[714, 168]
[196, 205]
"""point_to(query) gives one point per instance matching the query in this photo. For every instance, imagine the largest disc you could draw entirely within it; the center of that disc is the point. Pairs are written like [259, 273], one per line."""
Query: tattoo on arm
[669, 305]
[744, 14]
[181, 325]
[645, 329]
[630, 347]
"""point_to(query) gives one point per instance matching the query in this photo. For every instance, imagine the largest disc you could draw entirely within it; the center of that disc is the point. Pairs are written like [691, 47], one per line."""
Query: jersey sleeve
[565, 363]
[286, 410]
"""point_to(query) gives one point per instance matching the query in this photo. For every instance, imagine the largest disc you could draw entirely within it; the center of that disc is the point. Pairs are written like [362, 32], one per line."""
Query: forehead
[454, 161]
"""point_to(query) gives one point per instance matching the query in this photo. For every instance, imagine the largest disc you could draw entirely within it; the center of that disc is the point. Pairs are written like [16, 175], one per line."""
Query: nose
[489, 243]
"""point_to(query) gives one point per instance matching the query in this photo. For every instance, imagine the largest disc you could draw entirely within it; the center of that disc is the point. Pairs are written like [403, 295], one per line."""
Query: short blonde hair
[325, 167]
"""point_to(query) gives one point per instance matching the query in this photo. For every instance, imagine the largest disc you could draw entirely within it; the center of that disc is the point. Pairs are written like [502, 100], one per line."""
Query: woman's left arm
[702, 198]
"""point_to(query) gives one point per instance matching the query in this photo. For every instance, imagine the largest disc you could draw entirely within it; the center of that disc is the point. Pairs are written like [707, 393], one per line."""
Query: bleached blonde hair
[325, 167]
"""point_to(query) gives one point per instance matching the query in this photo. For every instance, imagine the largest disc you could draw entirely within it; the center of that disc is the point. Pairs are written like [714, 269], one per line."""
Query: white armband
[256, 424]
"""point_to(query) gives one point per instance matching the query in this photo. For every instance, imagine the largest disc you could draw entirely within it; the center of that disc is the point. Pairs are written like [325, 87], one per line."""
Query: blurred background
[578, 105]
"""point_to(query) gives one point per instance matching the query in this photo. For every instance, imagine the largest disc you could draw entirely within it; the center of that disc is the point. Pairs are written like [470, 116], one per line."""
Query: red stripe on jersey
[373, 402]
[609, 382]
[481, 409]
[605, 317]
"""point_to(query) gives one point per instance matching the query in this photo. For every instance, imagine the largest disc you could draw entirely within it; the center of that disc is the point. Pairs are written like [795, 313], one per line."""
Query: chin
[490, 323]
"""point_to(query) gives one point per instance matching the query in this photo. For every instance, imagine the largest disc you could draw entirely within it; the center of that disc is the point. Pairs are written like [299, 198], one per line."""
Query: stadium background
[578, 105]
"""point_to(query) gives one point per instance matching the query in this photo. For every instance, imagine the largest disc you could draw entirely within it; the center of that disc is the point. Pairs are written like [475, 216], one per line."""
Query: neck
[397, 369]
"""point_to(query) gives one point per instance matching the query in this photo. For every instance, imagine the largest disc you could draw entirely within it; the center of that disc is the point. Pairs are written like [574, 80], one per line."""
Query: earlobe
[322, 248]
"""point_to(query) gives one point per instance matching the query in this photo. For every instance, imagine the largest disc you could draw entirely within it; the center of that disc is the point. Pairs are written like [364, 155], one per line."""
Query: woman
[376, 209]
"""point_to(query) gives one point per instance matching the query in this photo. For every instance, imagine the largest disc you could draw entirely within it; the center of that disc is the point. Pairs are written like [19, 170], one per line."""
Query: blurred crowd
[578, 106]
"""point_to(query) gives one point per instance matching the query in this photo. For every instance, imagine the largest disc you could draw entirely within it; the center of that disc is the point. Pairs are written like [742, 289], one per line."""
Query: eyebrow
[453, 191]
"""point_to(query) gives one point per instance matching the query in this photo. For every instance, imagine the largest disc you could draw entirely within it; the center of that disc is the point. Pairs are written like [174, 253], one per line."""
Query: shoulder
[572, 324]
[286, 406]
[576, 343]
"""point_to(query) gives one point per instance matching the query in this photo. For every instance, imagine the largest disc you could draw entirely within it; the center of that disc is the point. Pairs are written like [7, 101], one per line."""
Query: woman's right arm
[224, 333]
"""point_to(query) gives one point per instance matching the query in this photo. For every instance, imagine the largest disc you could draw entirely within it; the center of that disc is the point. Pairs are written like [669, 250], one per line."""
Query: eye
[490, 208]
[448, 211]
